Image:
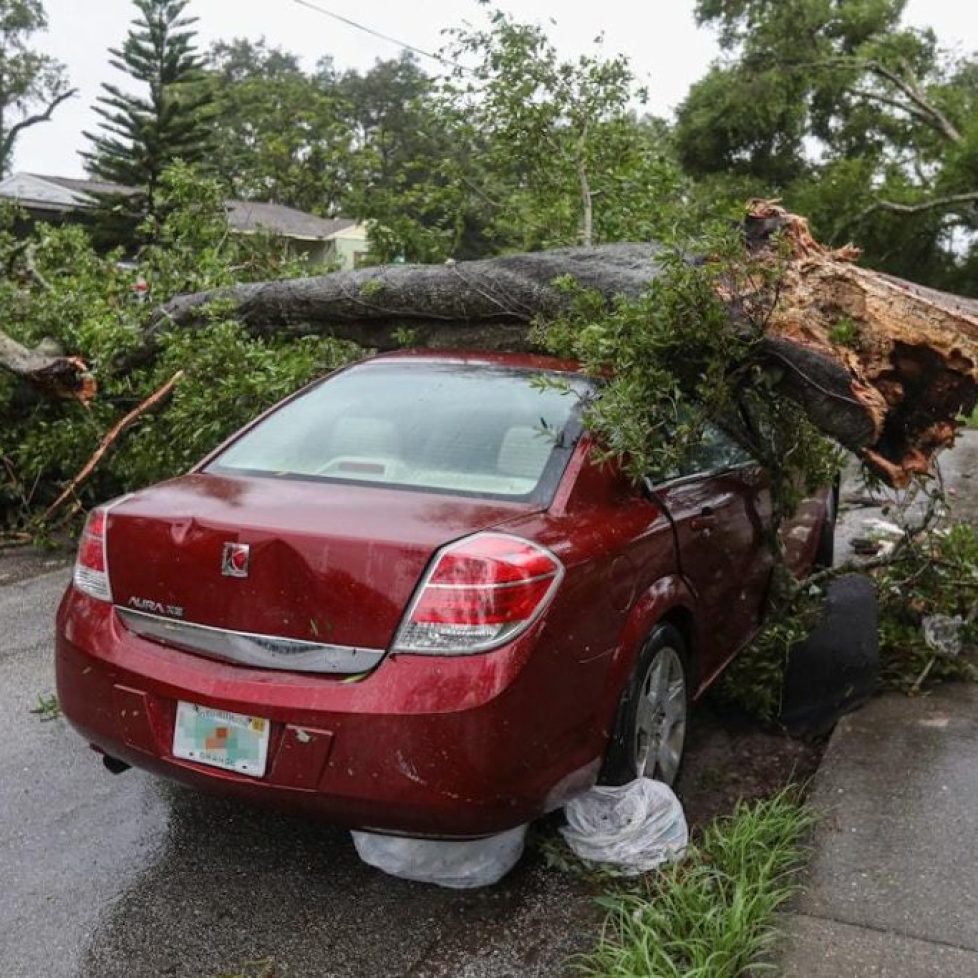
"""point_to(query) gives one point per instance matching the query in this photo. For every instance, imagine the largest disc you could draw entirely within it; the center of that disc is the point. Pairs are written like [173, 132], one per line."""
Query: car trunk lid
[326, 563]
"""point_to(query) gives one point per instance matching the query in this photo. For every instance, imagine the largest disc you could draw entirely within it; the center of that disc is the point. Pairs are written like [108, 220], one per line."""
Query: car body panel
[321, 553]
[434, 745]
[722, 554]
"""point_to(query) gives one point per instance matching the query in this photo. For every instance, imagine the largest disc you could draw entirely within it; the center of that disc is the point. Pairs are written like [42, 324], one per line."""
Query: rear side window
[450, 427]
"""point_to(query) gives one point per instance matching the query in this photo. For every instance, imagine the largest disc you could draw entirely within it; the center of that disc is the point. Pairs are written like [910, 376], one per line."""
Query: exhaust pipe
[113, 765]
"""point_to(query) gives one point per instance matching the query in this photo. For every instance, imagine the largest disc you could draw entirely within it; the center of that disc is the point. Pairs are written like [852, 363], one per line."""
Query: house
[321, 240]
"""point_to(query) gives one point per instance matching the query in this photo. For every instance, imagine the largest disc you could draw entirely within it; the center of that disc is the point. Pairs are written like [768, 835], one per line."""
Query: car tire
[649, 735]
[825, 552]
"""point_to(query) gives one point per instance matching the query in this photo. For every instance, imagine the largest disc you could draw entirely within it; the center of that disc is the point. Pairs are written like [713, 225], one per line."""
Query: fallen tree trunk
[883, 366]
[901, 357]
[485, 304]
[58, 376]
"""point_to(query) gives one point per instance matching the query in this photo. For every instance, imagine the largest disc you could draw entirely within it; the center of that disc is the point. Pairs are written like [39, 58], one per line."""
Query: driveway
[129, 876]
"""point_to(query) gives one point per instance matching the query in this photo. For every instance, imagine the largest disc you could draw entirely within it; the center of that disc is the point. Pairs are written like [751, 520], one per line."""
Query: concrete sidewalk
[893, 890]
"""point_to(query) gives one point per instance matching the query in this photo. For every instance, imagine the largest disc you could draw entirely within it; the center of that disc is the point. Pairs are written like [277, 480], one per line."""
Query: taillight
[480, 592]
[91, 564]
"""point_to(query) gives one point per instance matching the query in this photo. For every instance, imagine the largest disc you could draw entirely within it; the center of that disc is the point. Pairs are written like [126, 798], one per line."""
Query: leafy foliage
[677, 364]
[305, 164]
[755, 679]
[570, 161]
[512, 149]
[60, 288]
[939, 572]
[864, 125]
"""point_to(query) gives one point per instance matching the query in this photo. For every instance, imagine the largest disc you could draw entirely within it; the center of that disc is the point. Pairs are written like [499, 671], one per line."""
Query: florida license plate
[231, 741]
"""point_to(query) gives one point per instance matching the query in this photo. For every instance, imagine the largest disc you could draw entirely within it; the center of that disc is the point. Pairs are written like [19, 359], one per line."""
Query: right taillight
[91, 564]
[480, 593]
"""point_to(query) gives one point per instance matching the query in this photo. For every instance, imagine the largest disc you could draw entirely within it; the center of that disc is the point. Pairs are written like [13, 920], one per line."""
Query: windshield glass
[451, 427]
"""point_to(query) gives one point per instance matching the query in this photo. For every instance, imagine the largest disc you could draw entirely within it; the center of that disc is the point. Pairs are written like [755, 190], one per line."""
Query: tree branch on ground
[58, 376]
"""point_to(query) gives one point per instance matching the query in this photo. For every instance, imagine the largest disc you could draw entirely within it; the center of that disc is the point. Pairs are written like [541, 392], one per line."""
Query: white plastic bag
[458, 865]
[633, 827]
[943, 634]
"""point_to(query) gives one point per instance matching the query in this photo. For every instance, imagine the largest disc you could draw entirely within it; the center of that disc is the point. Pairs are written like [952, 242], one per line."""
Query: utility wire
[382, 36]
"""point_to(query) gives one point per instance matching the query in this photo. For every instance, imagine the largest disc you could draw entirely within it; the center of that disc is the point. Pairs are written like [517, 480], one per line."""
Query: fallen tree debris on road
[883, 366]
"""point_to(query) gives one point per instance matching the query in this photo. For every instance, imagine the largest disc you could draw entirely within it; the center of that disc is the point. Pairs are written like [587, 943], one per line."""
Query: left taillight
[92, 564]
[480, 593]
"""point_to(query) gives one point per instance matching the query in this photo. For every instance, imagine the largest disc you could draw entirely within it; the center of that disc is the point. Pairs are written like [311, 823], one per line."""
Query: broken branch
[57, 376]
[108, 439]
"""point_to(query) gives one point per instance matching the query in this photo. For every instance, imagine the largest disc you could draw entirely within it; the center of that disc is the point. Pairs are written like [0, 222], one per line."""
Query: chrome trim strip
[249, 649]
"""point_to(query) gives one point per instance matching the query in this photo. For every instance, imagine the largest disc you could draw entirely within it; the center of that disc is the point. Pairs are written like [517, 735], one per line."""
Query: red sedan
[409, 599]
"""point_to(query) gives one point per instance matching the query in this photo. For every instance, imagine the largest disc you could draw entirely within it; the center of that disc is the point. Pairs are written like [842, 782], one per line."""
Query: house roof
[60, 194]
[253, 215]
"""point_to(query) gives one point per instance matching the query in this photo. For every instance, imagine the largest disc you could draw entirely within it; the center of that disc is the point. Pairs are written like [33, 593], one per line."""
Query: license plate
[231, 741]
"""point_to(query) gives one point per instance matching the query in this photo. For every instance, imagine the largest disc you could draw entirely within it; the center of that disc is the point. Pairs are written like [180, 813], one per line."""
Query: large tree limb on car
[883, 366]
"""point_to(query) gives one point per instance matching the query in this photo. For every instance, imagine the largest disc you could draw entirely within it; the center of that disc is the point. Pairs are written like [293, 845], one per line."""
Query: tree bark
[55, 375]
[883, 366]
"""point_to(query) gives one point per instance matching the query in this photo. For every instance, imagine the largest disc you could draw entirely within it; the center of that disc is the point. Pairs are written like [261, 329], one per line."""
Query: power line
[375, 33]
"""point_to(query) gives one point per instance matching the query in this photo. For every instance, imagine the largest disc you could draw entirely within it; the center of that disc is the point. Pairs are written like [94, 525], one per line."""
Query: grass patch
[48, 707]
[712, 915]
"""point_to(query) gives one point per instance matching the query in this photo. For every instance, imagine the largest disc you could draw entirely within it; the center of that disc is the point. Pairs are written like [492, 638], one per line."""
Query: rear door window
[716, 452]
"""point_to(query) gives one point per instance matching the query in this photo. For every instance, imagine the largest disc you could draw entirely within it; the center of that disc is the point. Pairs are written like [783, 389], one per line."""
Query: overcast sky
[666, 49]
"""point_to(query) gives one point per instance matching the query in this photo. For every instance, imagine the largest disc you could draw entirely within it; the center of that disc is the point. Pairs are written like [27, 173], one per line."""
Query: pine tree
[140, 136]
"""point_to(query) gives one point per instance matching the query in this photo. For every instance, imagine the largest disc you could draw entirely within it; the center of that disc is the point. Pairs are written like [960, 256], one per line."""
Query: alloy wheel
[660, 717]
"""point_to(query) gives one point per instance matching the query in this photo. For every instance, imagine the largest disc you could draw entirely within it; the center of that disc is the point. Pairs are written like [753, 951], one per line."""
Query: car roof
[488, 358]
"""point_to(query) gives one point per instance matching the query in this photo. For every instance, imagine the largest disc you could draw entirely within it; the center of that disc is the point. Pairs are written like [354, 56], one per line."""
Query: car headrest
[524, 452]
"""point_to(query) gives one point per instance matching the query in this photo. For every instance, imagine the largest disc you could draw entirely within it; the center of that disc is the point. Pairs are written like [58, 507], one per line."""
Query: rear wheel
[650, 728]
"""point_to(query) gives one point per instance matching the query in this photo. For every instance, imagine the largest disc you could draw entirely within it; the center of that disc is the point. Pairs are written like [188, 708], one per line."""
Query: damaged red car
[410, 599]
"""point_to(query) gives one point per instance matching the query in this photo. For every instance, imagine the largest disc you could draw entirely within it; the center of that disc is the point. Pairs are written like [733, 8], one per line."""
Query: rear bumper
[422, 746]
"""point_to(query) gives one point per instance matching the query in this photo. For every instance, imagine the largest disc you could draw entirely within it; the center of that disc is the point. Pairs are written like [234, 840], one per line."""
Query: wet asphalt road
[128, 876]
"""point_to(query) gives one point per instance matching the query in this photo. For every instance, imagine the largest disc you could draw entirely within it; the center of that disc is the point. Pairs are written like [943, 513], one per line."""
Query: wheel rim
[660, 721]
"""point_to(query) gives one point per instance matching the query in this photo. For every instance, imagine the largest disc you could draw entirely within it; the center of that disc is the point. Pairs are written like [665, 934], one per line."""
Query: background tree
[562, 137]
[374, 145]
[141, 135]
[866, 125]
[414, 164]
[32, 84]
[303, 164]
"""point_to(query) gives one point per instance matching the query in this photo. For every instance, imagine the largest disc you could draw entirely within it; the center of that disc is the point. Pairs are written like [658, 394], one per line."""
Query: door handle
[706, 520]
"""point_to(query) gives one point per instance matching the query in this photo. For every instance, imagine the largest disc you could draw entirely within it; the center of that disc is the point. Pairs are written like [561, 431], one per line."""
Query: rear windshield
[449, 427]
